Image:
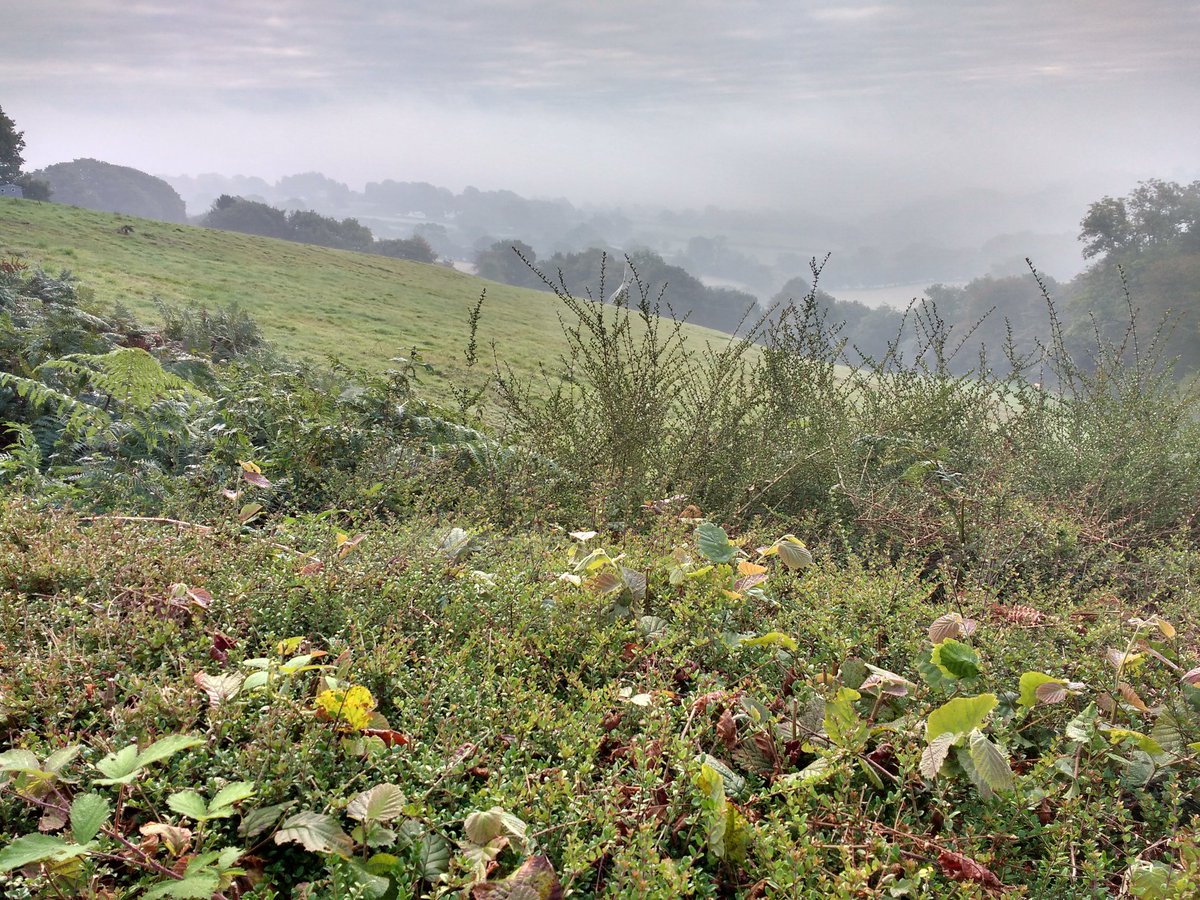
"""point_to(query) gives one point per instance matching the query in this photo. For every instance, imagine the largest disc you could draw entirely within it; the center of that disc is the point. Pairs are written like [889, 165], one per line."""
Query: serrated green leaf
[434, 857]
[59, 758]
[317, 833]
[120, 767]
[1142, 741]
[1150, 880]
[19, 760]
[256, 680]
[635, 583]
[88, 812]
[382, 803]
[793, 554]
[166, 747]
[1168, 733]
[190, 804]
[962, 715]
[227, 857]
[955, 659]
[256, 821]
[481, 827]
[734, 784]
[653, 627]
[370, 886]
[372, 834]
[990, 762]
[1139, 769]
[710, 783]
[234, 792]
[714, 544]
[1082, 728]
[815, 772]
[931, 674]
[31, 848]
[963, 756]
[382, 863]
[843, 725]
[196, 886]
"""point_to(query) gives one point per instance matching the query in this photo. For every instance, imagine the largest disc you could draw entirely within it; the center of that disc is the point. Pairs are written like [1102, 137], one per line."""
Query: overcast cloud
[740, 104]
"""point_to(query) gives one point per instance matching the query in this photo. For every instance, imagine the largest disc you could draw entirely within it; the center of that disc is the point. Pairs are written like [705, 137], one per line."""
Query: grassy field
[311, 301]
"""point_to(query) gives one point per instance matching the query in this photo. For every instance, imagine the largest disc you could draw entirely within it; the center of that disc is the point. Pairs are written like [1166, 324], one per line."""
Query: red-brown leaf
[957, 867]
[256, 478]
[727, 730]
[388, 736]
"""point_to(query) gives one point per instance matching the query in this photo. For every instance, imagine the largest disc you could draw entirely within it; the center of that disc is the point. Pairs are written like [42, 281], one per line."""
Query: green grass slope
[311, 301]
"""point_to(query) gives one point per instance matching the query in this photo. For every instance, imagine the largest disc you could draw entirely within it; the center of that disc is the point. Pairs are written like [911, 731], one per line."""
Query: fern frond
[128, 374]
[78, 416]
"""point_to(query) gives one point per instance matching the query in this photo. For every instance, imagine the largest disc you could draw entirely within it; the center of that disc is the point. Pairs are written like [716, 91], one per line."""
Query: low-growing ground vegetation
[678, 620]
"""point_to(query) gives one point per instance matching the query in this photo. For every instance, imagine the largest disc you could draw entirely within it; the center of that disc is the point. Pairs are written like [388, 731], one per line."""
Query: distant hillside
[311, 301]
[93, 184]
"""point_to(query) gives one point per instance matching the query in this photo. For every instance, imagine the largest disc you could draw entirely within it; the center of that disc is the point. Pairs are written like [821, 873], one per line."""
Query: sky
[747, 104]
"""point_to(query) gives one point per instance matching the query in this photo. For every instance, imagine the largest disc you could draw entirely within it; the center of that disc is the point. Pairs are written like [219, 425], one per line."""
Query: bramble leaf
[166, 747]
[31, 848]
[190, 804]
[484, 826]
[934, 756]
[317, 833]
[955, 659]
[959, 716]
[382, 803]
[714, 544]
[990, 762]
[1032, 682]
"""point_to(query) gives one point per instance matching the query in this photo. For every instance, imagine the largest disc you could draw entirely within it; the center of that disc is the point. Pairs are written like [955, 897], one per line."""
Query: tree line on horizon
[1145, 252]
[308, 227]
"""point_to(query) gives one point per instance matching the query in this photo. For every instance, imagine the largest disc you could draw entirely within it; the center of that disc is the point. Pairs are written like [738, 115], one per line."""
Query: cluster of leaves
[103, 412]
[741, 717]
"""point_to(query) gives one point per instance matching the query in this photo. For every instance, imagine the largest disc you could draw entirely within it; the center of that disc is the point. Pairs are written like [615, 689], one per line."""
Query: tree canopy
[12, 142]
[1155, 211]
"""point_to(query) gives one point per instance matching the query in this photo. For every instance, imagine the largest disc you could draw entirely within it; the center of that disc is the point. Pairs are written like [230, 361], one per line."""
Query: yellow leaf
[350, 708]
[250, 467]
[288, 646]
[745, 567]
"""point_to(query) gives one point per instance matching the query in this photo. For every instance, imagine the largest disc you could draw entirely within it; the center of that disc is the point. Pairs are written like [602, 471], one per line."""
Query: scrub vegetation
[669, 618]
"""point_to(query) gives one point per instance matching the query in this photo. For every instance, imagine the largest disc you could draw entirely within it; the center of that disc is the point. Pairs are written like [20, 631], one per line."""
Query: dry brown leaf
[727, 730]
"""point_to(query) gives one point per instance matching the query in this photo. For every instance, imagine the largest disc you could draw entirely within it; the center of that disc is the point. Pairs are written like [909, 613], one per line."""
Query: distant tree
[1155, 211]
[93, 184]
[248, 217]
[310, 227]
[438, 238]
[501, 262]
[12, 142]
[415, 248]
[34, 188]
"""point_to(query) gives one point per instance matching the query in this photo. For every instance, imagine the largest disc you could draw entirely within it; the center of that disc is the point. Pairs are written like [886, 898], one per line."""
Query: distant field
[310, 301]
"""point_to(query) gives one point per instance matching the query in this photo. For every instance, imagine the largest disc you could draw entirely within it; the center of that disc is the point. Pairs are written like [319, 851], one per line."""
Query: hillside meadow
[313, 302]
[707, 620]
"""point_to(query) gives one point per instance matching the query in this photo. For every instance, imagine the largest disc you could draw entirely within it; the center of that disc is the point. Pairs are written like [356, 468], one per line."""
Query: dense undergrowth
[273, 630]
